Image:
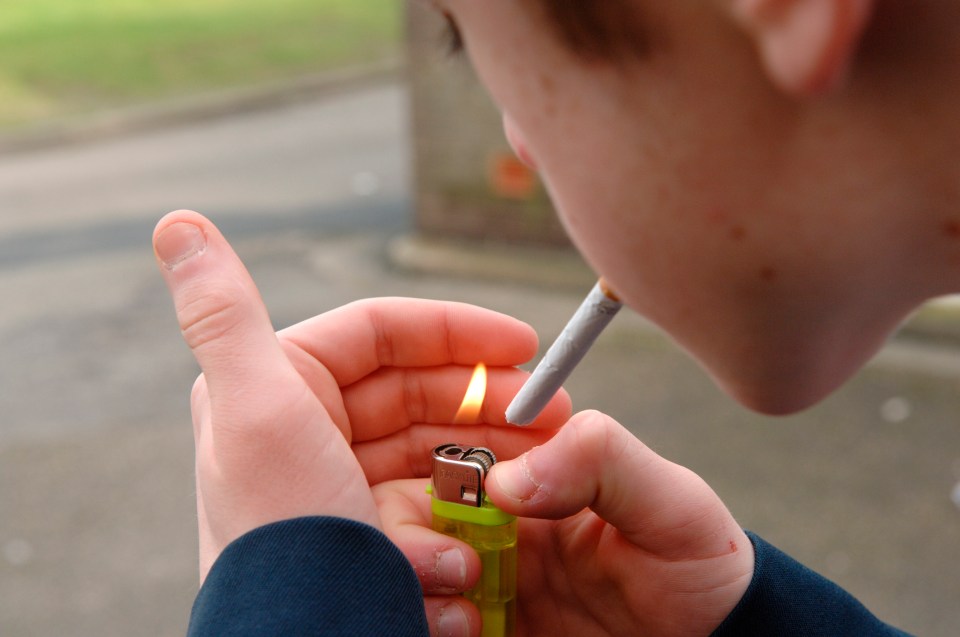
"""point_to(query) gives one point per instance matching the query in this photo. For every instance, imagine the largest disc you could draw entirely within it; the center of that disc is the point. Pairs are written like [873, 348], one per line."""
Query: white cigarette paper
[594, 314]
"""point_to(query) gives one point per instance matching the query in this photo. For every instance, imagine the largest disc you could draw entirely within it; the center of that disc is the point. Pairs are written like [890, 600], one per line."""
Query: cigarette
[594, 314]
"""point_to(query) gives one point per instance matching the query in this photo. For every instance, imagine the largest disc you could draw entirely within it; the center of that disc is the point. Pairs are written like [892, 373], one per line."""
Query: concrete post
[468, 184]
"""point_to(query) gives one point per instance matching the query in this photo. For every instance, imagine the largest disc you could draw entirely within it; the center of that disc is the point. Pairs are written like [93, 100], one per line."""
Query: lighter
[461, 510]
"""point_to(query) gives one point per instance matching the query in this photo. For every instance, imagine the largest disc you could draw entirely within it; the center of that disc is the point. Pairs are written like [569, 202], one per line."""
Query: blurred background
[345, 156]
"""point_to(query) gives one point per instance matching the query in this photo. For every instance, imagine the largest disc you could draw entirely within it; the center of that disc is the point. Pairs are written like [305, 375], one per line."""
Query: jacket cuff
[312, 575]
[788, 599]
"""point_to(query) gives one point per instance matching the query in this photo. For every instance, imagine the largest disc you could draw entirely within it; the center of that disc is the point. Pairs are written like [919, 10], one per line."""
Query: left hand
[301, 423]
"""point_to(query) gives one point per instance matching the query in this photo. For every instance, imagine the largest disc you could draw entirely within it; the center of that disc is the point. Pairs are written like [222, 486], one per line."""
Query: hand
[626, 543]
[275, 417]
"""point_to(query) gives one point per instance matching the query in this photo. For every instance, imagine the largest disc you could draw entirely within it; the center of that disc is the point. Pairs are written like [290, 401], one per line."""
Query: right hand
[617, 540]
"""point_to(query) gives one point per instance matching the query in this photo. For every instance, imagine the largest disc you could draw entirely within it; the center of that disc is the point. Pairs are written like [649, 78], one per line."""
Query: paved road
[96, 495]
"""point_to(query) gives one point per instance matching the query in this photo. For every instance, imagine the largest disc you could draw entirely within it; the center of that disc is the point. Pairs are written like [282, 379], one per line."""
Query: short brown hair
[597, 30]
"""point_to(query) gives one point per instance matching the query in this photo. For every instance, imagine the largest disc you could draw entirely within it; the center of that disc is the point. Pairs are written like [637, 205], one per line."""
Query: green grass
[62, 57]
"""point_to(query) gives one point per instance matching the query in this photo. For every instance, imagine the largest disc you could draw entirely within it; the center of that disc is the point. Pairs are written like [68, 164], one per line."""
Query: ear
[806, 46]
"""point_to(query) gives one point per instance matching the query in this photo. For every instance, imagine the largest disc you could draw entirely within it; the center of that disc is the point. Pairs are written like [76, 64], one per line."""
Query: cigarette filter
[461, 510]
[594, 314]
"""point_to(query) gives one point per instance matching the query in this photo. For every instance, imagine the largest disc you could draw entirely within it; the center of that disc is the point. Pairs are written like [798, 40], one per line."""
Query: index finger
[357, 339]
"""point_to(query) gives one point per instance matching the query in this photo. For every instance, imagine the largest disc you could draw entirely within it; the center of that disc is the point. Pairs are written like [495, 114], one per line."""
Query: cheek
[668, 249]
[628, 228]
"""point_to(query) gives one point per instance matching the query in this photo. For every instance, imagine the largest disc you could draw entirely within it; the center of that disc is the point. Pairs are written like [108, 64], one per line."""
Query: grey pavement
[97, 521]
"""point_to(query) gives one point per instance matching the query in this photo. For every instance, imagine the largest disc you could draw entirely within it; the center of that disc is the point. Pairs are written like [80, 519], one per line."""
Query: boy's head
[771, 181]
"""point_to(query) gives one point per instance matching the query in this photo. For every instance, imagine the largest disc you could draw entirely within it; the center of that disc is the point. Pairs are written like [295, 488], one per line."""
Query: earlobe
[806, 46]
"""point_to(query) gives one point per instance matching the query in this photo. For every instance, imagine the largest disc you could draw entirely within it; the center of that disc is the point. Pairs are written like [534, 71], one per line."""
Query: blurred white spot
[17, 552]
[365, 184]
[955, 494]
[895, 410]
[838, 562]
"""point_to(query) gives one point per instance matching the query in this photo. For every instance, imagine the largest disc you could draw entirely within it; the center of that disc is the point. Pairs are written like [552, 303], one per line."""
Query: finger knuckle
[382, 343]
[602, 438]
[449, 334]
[210, 315]
[414, 397]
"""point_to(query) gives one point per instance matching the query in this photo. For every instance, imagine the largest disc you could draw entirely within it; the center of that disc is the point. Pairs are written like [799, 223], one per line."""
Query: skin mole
[951, 228]
[547, 84]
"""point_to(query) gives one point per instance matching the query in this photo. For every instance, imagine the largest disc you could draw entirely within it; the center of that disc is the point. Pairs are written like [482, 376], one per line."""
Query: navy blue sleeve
[310, 576]
[787, 599]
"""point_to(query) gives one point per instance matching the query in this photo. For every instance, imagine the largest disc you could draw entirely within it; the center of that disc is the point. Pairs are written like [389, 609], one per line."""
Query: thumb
[594, 462]
[220, 312]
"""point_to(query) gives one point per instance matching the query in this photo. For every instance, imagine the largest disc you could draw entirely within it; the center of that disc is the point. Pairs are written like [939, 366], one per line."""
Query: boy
[772, 182]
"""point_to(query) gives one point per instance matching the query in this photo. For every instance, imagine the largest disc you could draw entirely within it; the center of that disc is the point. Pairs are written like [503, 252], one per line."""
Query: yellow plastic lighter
[461, 510]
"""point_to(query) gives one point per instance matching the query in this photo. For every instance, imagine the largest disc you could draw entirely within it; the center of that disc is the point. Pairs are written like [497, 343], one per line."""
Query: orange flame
[473, 400]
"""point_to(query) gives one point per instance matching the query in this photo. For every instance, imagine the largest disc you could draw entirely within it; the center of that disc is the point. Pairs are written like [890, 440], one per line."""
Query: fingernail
[452, 569]
[178, 242]
[515, 480]
[453, 621]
